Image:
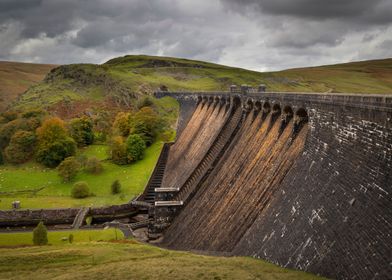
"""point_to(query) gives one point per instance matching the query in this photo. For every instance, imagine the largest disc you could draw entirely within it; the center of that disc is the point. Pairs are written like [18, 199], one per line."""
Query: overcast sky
[255, 34]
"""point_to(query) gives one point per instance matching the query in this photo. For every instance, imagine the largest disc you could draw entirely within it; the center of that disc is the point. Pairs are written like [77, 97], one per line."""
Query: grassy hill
[120, 81]
[129, 260]
[17, 77]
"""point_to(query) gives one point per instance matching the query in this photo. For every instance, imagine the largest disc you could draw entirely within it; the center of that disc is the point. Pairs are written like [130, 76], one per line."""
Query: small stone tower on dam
[301, 180]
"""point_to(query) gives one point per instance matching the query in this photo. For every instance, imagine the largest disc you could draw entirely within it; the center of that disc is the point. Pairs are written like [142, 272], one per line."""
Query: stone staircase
[80, 217]
[157, 176]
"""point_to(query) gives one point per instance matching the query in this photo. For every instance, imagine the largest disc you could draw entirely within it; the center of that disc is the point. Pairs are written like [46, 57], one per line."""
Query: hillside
[17, 77]
[120, 81]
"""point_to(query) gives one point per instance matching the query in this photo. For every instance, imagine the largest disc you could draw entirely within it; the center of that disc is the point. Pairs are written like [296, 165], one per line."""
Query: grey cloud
[256, 34]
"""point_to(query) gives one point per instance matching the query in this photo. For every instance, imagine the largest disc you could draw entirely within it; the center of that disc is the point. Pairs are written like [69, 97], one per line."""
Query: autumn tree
[21, 147]
[54, 143]
[121, 123]
[81, 130]
[118, 150]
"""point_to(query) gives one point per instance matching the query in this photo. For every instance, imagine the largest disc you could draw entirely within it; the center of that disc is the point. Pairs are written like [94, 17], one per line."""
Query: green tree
[21, 147]
[68, 168]
[145, 123]
[121, 123]
[70, 238]
[93, 165]
[115, 187]
[81, 130]
[135, 147]
[118, 150]
[80, 190]
[54, 144]
[40, 235]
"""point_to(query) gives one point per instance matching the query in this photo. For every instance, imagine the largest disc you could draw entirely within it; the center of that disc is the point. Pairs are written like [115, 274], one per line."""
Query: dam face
[301, 180]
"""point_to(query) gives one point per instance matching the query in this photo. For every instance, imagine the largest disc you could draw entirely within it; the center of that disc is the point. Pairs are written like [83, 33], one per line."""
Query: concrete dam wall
[302, 180]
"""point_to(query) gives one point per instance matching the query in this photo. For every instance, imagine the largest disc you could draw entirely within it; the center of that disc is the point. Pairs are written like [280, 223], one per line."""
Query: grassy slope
[31, 175]
[131, 260]
[143, 74]
[55, 237]
[16, 77]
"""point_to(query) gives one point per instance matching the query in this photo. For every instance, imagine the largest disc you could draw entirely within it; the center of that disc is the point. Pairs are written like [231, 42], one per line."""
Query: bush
[145, 102]
[135, 147]
[1, 158]
[80, 190]
[116, 187]
[94, 165]
[21, 147]
[40, 235]
[68, 168]
[70, 238]
[81, 130]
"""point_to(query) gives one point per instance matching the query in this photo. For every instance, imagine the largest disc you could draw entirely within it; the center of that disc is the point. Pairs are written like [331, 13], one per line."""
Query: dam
[301, 180]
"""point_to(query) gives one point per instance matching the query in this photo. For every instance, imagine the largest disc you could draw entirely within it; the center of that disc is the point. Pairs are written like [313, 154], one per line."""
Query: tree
[8, 130]
[68, 168]
[1, 158]
[54, 144]
[81, 130]
[40, 235]
[118, 150]
[145, 123]
[135, 147]
[121, 123]
[80, 190]
[21, 147]
[94, 165]
[116, 187]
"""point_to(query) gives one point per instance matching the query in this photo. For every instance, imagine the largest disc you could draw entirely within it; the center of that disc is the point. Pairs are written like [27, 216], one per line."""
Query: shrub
[40, 235]
[21, 147]
[144, 102]
[68, 168]
[116, 187]
[81, 130]
[80, 190]
[135, 146]
[94, 165]
[118, 150]
[1, 158]
[70, 238]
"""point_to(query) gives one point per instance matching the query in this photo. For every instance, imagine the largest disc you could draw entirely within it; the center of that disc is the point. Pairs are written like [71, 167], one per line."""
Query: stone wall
[330, 213]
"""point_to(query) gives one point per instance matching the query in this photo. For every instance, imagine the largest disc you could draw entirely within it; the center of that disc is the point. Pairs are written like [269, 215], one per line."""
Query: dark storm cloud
[257, 34]
[373, 11]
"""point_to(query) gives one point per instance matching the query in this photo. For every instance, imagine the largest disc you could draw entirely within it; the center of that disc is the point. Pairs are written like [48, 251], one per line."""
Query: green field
[131, 260]
[56, 237]
[56, 193]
